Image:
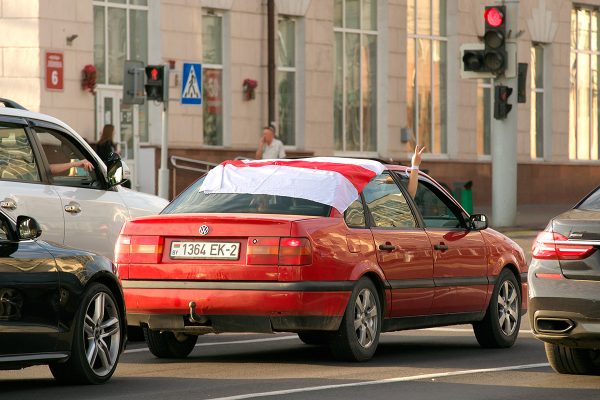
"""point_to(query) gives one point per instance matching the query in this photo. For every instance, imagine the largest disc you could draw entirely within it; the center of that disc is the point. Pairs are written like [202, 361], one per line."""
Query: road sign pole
[504, 139]
[163, 172]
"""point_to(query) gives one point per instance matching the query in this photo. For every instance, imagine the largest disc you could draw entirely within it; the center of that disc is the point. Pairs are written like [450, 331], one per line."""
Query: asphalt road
[440, 363]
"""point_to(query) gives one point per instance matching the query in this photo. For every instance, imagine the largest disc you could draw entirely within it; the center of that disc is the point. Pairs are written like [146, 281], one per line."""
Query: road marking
[383, 381]
[223, 343]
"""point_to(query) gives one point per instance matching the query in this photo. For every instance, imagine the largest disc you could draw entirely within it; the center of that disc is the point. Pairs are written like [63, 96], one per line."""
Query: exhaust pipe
[554, 325]
[194, 317]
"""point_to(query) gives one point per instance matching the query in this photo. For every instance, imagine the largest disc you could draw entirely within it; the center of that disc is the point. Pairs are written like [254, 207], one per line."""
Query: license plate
[205, 250]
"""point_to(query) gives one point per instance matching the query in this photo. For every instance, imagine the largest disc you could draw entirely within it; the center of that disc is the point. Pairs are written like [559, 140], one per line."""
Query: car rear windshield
[592, 202]
[194, 201]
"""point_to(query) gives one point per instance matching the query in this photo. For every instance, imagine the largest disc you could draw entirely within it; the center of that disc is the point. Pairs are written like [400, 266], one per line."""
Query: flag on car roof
[327, 180]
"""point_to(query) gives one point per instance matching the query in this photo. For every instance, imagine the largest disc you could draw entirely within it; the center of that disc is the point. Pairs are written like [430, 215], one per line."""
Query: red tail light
[262, 251]
[295, 251]
[282, 251]
[139, 249]
[551, 246]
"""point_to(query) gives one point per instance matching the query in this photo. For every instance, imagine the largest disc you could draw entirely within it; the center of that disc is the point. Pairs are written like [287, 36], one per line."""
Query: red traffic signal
[493, 16]
[154, 74]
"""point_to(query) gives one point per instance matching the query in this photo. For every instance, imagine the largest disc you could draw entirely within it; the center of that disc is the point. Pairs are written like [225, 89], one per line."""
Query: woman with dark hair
[105, 146]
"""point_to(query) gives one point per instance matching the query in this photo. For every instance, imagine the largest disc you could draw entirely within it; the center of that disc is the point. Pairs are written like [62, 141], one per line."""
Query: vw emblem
[204, 229]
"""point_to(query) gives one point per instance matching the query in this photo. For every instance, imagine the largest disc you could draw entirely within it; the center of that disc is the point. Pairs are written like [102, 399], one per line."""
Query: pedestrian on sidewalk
[269, 147]
[106, 146]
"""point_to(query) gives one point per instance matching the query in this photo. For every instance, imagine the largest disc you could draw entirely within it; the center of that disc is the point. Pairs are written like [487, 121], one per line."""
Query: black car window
[17, 162]
[194, 201]
[387, 204]
[355, 215]
[60, 150]
[436, 208]
[592, 202]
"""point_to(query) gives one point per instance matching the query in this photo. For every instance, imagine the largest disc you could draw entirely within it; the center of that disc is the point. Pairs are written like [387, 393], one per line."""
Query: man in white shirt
[268, 146]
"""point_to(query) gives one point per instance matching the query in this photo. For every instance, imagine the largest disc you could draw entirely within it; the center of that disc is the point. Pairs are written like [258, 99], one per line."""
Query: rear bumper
[237, 306]
[565, 311]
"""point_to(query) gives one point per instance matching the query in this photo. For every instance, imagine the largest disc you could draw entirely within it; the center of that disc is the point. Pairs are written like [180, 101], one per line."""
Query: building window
[120, 33]
[484, 116]
[355, 75]
[583, 97]
[286, 80]
[427, 73]
[537, 101]
[212, 80]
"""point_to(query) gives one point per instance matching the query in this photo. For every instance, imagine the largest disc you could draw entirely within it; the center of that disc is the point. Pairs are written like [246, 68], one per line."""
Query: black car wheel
[96, 340]
[314, 337]
[169, 344]
[500, 326]
[572, 360]
[358, 335]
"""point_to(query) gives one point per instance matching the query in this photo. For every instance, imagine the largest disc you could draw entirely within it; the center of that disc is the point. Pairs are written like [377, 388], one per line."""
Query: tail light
[139, 249]
[553, 246]
[278, 251]
[295, 251]
[262, 250]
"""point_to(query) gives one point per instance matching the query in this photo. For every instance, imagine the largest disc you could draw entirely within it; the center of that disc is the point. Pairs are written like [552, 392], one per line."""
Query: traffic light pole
[163, 172]
[504, 140]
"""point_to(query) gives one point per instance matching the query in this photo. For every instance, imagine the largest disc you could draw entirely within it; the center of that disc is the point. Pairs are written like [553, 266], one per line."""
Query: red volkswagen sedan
[333, 249]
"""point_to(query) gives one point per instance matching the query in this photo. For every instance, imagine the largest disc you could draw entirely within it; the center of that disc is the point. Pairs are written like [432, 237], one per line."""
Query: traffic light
[157, 83]
[494, 40]
[501, 106]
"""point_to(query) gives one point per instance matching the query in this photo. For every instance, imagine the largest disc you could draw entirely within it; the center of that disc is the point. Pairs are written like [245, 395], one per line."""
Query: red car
[333, 249]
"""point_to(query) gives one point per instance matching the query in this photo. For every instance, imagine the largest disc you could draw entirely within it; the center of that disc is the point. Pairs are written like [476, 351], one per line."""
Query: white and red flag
[327, 180]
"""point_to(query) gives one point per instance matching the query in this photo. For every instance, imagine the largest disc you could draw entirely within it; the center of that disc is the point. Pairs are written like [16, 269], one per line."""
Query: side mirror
[116, 170]
[478, 222]
[27, 228]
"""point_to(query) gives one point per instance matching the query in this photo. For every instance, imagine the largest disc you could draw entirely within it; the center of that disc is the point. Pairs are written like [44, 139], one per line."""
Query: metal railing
[189, 164]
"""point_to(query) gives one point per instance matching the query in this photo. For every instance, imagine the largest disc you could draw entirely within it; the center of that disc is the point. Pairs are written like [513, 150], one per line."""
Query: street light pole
[504, 136]
[163, 172]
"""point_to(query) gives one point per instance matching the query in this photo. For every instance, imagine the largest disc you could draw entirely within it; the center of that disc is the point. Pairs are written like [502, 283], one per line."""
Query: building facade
[353, 78]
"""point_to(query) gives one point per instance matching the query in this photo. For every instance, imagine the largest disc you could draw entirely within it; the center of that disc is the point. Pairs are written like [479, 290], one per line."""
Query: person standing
[268, 146]
[105, 146]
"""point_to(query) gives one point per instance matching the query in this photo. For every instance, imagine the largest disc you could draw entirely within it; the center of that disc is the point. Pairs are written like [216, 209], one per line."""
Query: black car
[58, 306]
[564, 288]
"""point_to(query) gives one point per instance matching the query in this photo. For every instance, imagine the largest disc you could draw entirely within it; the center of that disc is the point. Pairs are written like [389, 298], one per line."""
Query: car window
[59, 151]
[194, 201]
[387, 204]
[355, 215]
[17, 162]
[592, 202]
[435, 208]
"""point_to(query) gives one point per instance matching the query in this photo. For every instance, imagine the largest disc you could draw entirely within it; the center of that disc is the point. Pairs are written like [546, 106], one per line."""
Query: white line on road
[225, 343]
[382, 381]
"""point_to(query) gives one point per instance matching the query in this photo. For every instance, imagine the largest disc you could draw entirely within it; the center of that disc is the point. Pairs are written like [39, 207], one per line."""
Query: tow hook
[195, 317]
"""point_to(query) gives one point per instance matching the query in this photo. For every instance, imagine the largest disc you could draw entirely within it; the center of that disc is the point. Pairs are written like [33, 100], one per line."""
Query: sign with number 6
[54, 71]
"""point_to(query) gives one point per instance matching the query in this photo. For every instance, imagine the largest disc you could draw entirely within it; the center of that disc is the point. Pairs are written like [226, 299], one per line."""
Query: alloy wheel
[365, 318]
[508, 309]
[102, 334]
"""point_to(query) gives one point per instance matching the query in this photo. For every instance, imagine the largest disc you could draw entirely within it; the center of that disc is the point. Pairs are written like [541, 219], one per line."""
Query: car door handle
[73, 208]
[9, 204]
[387, 247]
[441, 247]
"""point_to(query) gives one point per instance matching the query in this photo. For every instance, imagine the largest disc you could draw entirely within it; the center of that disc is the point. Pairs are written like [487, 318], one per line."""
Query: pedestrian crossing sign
[191, 87]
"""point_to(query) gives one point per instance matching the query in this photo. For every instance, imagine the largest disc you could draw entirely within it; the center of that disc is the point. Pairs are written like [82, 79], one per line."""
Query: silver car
[41, 176]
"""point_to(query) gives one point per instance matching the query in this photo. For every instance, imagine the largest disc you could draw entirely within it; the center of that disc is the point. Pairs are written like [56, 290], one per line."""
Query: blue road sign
[191, 87]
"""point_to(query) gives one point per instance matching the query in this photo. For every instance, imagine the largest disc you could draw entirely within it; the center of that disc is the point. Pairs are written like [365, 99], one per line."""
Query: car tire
[573, 360]
[500, 325]
[168, 344]
[358, 335]
[96, 345]
[314, 338]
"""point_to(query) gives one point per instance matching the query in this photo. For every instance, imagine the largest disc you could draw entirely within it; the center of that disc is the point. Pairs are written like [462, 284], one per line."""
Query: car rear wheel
[358, 335]
[169, 344]
[96, 342]
[500, 326]
[314, 337]
[572, 360]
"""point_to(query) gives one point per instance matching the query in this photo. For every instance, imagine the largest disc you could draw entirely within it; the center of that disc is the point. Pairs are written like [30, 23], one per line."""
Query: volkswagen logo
[204, 229]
